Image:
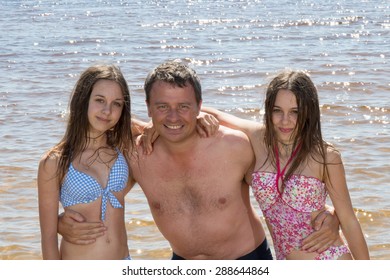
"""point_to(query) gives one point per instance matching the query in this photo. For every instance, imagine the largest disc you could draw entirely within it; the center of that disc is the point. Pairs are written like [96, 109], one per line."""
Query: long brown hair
[75, 139]
[308, 127]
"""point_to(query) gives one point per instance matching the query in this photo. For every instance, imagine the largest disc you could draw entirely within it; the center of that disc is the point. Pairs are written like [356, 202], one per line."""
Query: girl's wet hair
[76, 139]
[308, 127]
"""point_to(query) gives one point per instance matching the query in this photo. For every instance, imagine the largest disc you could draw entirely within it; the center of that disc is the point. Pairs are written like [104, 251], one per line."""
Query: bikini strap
[279, 173]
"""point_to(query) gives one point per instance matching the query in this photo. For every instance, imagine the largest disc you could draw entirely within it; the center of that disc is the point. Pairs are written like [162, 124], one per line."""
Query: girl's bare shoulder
[50, 159]
[333, 155]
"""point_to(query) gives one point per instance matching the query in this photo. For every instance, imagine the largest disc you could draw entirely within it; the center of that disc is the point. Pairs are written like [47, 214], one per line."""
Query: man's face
[173, 110]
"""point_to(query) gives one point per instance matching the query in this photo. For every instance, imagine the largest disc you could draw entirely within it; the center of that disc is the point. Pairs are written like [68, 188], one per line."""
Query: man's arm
[326, 226]
[74, 229]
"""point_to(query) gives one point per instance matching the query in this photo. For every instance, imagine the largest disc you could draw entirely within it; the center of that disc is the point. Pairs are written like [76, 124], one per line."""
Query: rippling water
[235, 46]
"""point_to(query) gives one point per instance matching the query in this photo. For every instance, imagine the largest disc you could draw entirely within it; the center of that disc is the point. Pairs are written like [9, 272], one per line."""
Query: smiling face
[105, 106]
[173, 110]
[284, 116]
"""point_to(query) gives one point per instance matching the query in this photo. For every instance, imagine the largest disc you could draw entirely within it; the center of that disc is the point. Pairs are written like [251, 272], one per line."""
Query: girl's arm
[137, 126]
[250, 128]
[338, 191]
[48, 199]
[145, 134]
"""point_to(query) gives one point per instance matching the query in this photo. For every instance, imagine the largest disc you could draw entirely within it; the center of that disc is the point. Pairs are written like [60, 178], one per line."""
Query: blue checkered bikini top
[79, 187]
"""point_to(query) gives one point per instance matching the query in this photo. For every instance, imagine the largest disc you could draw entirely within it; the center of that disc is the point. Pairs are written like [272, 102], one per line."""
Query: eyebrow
[167, 103]
[281, 107]
[102, 96]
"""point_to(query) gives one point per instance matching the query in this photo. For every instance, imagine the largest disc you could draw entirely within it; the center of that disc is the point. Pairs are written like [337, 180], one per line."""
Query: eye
[118, 104]
[184, 107]
[294, 113]
[162, 107]
[276, 110]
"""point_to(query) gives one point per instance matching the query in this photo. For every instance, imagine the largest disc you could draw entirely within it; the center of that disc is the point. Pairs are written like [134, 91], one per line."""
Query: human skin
[104, 110]
[198, 183]
[284, 119]
[197, 195]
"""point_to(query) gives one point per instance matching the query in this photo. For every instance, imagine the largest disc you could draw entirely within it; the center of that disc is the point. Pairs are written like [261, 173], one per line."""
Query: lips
[173, 127]
[285, 130]
[103, 119]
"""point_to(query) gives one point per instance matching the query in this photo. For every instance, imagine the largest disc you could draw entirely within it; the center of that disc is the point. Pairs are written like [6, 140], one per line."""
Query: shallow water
[235, 46]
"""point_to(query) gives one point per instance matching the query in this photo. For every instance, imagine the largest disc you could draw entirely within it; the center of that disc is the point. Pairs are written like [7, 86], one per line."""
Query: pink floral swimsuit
[289, 213]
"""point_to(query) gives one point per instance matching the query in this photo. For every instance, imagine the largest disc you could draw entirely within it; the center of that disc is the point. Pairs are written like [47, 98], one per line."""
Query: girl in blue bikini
[296, 170]
[87, 171]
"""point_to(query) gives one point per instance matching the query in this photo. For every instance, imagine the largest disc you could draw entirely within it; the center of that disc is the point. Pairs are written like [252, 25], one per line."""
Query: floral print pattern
[289, 212]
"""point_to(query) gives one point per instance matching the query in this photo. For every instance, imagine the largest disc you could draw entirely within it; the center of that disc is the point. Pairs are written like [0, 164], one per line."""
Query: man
[196, 187]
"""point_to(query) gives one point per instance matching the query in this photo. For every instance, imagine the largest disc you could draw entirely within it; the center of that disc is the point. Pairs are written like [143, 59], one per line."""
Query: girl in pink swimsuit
[296, 170]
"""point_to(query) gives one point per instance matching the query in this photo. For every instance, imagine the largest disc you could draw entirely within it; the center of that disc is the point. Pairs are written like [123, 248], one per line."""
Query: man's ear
[199, 106]
[147, 105]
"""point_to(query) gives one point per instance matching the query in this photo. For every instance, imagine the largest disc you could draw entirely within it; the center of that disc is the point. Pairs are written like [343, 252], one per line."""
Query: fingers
[86, 237]
[207, 125]
[314, 242]
[153, 138]
[138, 140]
[70, 214]
[81, 242]
[315, 248]
[318, 221]
[84, 233]
[88, 228]
[147, 138]
[322, 217]
[74, 229]
[321, 244]
[324, 236]
[214, 125]
[93, 231]
[142, 140]
[324, 247]
[200, 130]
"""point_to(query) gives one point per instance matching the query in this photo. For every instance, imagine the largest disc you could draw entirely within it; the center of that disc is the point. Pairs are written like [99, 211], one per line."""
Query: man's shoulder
[231, 132]
[231, 136]
[236, 145]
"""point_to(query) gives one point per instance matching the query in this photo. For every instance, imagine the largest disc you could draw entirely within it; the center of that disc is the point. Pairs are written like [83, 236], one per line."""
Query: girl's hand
[147, 138]
[207, 125]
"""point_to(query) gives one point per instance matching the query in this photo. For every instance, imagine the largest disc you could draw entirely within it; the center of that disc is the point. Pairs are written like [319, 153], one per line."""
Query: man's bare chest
[194, 190]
